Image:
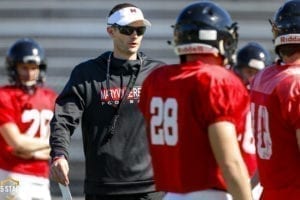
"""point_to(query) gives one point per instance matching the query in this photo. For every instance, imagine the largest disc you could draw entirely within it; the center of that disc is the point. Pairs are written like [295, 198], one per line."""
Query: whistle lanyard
[129, 87]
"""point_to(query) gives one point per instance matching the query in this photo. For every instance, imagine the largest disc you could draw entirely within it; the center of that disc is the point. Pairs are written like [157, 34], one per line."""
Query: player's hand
[59, 171]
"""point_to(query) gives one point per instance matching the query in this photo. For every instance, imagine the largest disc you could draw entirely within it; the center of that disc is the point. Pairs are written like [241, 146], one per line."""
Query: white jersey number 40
[264, 142]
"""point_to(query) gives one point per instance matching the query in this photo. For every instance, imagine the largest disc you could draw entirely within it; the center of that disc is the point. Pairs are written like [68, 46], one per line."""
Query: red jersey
[32, 114]
[247, 146]
[179, 102]
[275, 100]
[246, 139]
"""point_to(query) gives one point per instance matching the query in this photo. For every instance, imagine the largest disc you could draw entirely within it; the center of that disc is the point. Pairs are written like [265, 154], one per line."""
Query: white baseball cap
[126, 16]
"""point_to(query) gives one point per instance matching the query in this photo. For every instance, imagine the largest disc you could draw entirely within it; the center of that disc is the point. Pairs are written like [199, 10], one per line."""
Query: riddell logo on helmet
[190, 49]
[195, 48]
[290, 39]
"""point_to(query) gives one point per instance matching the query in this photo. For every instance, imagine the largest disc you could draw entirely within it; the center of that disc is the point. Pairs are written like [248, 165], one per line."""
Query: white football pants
[23, 187]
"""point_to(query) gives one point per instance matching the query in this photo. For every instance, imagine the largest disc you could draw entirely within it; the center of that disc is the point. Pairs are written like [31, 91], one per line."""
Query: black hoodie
[117, 163]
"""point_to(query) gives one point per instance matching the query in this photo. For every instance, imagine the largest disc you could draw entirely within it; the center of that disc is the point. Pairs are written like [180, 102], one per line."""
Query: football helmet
[253, 55]
[286, 24]
[205, 27]
[25, 50]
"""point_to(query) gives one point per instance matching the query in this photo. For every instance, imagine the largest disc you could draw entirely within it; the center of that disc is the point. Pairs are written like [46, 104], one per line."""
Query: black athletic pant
[143, 196]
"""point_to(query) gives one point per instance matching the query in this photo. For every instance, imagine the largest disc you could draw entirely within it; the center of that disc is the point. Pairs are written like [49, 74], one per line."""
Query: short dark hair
[288, 49]
[119, 7]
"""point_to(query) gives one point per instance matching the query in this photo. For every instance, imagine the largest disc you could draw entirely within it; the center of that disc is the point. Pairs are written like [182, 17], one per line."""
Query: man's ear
[110, 31]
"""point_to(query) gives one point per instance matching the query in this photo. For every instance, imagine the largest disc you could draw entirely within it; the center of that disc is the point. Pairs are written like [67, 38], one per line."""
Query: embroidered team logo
[133, 10]
[113, 96]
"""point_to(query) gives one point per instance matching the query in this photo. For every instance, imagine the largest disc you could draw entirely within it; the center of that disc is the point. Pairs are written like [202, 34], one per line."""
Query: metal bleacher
[74, 30]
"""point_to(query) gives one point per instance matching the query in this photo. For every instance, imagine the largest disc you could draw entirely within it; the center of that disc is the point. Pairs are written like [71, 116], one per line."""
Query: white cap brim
[127, 16]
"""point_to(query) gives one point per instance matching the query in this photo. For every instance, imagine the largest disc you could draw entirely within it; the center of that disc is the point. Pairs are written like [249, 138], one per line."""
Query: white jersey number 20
[39, 121]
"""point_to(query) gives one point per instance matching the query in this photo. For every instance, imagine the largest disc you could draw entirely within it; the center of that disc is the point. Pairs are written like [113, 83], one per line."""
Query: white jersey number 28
[163, 123]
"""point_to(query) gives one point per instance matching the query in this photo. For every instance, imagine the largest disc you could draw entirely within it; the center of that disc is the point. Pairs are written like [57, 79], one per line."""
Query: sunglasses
[128, 30]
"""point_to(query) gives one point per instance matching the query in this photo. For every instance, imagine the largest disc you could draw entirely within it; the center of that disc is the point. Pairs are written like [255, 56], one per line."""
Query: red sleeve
[289, 96]
[227, 100]
[7, 109]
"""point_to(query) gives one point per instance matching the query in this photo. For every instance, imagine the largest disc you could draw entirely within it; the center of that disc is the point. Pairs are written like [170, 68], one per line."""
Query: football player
[194, 109]
[275, 100]
[26, 109]
[250, 59]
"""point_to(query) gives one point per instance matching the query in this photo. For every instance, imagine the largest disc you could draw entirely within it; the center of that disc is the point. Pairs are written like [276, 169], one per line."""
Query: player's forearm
[42, 154]
[27, 144]
[223, 140]
[21, 142]
[237, 180]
